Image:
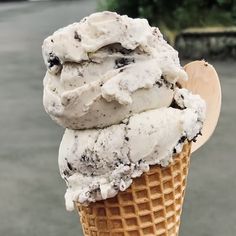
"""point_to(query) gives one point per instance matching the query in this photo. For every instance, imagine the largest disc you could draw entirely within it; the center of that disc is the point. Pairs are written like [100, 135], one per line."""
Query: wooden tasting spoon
[203, 80]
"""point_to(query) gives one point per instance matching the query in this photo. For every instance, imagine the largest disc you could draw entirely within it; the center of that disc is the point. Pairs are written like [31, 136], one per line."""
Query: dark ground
[31, 190]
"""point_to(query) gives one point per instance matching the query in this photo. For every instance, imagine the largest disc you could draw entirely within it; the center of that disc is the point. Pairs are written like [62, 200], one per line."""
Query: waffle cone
[151, 206]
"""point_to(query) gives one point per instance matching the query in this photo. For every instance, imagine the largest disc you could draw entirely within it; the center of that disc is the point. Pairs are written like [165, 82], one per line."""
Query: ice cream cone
[152, 205]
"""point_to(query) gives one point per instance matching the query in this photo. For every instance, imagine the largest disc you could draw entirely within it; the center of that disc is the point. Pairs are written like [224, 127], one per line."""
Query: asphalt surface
[31, 190]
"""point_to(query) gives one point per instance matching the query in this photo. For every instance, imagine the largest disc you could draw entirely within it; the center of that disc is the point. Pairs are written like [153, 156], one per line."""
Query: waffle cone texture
[151, 206]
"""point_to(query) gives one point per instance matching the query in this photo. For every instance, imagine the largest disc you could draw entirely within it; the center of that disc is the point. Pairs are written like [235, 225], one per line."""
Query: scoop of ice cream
[106, 68]
[97, 163]
[111, 81]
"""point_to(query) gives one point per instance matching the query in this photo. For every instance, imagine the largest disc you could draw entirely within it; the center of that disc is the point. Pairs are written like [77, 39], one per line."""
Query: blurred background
[31, 189]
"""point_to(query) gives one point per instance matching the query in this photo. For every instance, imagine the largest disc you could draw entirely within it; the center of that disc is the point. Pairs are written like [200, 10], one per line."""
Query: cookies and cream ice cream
[106, 68]
[112, 82]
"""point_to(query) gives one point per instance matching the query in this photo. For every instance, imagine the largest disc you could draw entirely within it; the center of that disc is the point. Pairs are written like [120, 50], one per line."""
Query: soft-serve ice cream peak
[106, 68]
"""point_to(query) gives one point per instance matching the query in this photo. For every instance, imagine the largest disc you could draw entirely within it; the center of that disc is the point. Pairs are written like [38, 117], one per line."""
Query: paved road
[31, 190]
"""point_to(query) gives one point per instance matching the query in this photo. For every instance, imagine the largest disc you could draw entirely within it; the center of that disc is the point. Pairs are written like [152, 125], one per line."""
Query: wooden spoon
[203, 80]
